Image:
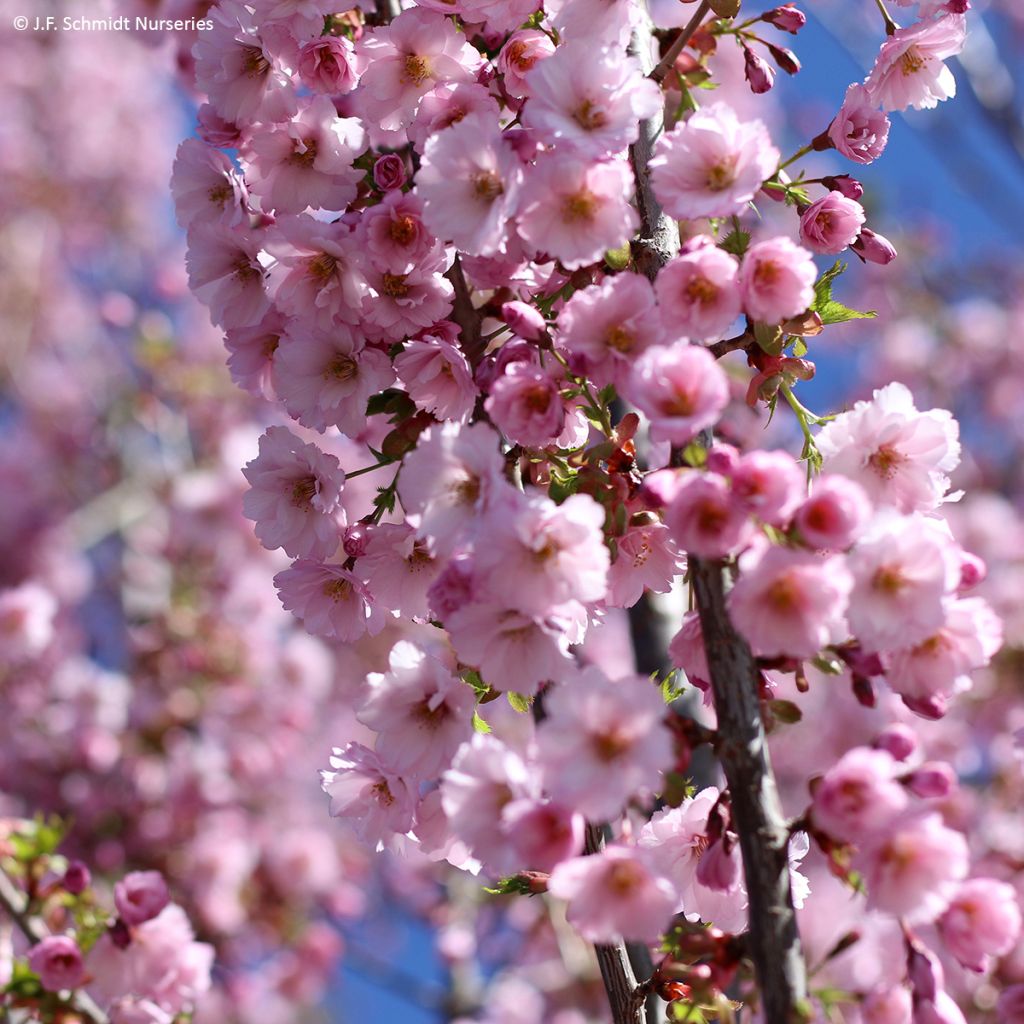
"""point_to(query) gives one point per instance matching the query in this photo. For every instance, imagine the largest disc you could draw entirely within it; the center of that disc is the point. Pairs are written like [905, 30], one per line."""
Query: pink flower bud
[58, 962]
[140, 896]
[758, 72]
[887, 1006]
[831, 224]
[719, 866]
[389, 172]
[76, 878]
[659, 488]
[924, 973]
[722, 458]
[328, 65]
[787, 18]
[850, 187]
[933, 780]
[973, 571]
[786, 59]
[834, 514]
[874, 248]
[524, 319]
[899, 740]
[1011, 1005]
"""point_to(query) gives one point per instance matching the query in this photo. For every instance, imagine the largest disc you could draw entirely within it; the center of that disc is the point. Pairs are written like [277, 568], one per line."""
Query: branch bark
[774, 939]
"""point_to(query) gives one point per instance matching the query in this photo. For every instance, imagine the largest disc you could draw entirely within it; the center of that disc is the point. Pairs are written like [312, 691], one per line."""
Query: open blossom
[448, 480]
[704, 518]
[790, 603]
[404, 60]
[898, 455]
[859, 795]
[903, 568]
[329, 600]
[603, 742]
[833, 516]
[393, 233]
[543, 833]
[687, 652]
[929, 673]
[251, 353]
[526, 405]
[831, 223]
[646, 558]
[697, 293]
[58, 962]
[486, 777]
[606, 326]
[589, 101]
[399, 567]
[204, 184]
[982, 921]
[295, 496]
[860, 130]
[225, 272]
[469, 184]
[540, 554]
[306, 162]
[769, 485]
[614, 895]
[328, 65]
[366, 791]
[26, 621]
[575, 210]
[449, 105]
[324, 378]
[909, 70]
[437, 377]
[140, 896]
[402, 304]
[912, 869]
[521, 53]
[776, 280]
[712, 164]
[681, 388]
[421, 712]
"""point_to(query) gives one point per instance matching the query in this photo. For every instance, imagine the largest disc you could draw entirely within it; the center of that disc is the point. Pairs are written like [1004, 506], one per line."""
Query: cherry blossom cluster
[136, 962]
[428, 252]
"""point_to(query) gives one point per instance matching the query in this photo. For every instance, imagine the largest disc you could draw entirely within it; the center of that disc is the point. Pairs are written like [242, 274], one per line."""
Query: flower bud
[786, 59]
[389, 172]
[874, 248]
[722, 458]
[973, 571]
[524, 319]
[933, 780]
[719, 867]
[849, 186]
[787, 18]
[140, 896]
[758, 72]
[899, 740]
[76, 878]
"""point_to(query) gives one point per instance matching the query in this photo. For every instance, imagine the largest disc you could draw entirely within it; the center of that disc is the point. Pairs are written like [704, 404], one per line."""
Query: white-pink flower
[521, 53]
[328, 65]
[712, 164]
[898, 455]
[982, 921]
[295, 496]
[860, 130]
[225, 272]
[646, 558]
[543, 833]
[398, 567]
[438, 377]
[603, 742]
[909, 70]
[469, 183]
[575, 210]
[769, 485]
[831, 223]
[204, 184]
[704, 518]
[329, 600]
[591, 101]
[698, 297]
[420, 711]
[833, 516]
[776, 280]
[614, 895]
[859, 795]
[403, 304]
[393, 233]
[790, 603]
[367, 792]
[681, 389]
[526, 405]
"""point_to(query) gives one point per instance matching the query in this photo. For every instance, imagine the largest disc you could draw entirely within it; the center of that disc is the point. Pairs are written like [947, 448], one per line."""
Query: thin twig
[724, 347]
[683, 36]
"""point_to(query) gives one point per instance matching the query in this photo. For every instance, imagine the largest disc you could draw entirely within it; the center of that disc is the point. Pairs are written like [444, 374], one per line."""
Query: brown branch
[465, 314]
[682, 37]
[16, 907]
[735, 678]
[721, 348]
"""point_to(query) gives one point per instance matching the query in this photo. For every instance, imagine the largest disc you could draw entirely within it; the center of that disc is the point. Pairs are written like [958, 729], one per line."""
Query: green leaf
[735, 242]
[519, 702]
[785, 711]
[514, 885]
[562, 486]
[695, 454]
[799, 348]
[831, 311]
[479, 724]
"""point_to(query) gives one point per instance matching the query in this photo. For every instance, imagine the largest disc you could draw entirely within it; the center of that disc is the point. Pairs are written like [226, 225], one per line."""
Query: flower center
[580, 206]
[416, 70]
[467, 490]
[783, 594]
[338, 590]
[620, 339]
[589, 116]
[402, 230]
[912, 61]
[537, 399]
[304, 490]
[888, 579]
[701, 290]
[383, 793]
[624, 878]
[487, 186]
[255, 63]
[680, 403]
[220, 194]
[610, 745]
[886, 461]
[322, 266]
[305, 156]
[394, 285]
[341, 368]
[517, 55]
[244, 270]
[721, 175]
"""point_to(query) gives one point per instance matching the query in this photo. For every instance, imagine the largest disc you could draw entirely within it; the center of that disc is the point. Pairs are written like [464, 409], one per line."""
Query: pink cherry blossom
[833, 516]
[909, 70]
[888, 1006]
[525, 404]
[589, 101]
[769, 485]
[204, 184]
[603, 742]
[859, 795]
[438, 377]
[898, 455]
[140, 896]
[860, 130]
[831, 223]
[575, 209]
[681, 388]
[58, 962]
[712, 164]
[697, 293]
[420, 711]
[329, 600]
[369, 794]
[521, 52]
[399, 568]
[393, 233]
[27, 617]
[295, 496]
[776, 280]
[646, 559]
[704, 518]
[449, 105]
[543, 833]
[790, 603]
[402, 304]
[687, 652]
[324, 378]
[614, 895]
[912, 869]
[225, 272]
[469, 184]
[306, 162]
[606, 326]
[251, 353]
[328, 65]
[982, 921]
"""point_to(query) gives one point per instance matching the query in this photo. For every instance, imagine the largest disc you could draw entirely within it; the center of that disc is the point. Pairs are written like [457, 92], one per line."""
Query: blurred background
[175, 714]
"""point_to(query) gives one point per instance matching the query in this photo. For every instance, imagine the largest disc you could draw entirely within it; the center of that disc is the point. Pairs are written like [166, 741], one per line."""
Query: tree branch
[683, 36]
[774, 940]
